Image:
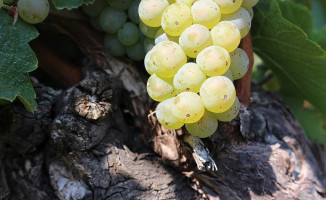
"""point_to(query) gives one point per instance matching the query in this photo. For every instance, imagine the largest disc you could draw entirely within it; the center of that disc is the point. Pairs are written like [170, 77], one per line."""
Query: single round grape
[161, 36]
[251, 13]
[136, 52]
[228, 74]
[205, 127]
[225, 34]
[228, 6]
[188, 107]
[149, 66]
[239, 63]
[176, 18]
[112, 20]
[150, 11]
[165, 115]
[33, 11]
[148, 31]
[240, 19]
[129, 34]
[194, 39]
[133, 11]
[213, 61]
[189, 78]
[159, 89]
[113, 46]
[95, 8]
[248, 3]
[217, 94]
[206, 12]
[189, 3]
[119, 4]
[168, 58]
[231, 113]
[149, 43]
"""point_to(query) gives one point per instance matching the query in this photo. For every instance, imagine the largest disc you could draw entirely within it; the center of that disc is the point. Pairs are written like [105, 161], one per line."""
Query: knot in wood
[91, 109]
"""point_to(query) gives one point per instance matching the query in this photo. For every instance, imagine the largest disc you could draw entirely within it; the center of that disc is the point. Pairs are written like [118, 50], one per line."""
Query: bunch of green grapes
[193, 59]
[120, 20]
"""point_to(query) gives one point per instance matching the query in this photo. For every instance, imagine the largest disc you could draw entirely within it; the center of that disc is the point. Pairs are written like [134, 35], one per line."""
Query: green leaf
[297, 14]
[298, 63]
[61, 4]
[319, 36]
[17, 59]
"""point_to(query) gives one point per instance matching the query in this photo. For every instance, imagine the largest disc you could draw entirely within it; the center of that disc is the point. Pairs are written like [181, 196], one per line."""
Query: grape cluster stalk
[195, 60]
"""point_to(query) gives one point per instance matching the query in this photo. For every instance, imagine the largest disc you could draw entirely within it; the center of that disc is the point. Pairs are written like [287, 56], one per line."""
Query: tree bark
[99, 140]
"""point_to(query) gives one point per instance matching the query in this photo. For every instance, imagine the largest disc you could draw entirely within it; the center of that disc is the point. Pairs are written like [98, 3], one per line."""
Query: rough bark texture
[97, 140]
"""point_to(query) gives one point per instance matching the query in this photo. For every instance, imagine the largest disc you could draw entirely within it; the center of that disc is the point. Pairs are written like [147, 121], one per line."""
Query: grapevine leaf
[61, 4]
[298, 63]
[17, 59]
[319, 36]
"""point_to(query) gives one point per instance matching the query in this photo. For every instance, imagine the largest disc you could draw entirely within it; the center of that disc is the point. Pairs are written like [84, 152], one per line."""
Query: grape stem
[243, 86]
[12, 10]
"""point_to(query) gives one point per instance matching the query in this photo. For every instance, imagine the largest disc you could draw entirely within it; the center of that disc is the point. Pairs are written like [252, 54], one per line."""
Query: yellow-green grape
[168, 57]
[161, 36]
[194, 39]
[176, 18]
[159, 89]
[251, 13]
[189, 78]
[149, 66]
[171, 1]
[231, 113]
[205, 127]
[165, 115]
[206, 12]
[228, 6]
[188, 107]
[189, 3]
[150, 11]
[218, 94]
[225, 34]
[148, 31]
[213, 61]
[249, 3]
[239, 63]
[228, 74]
[240, 19]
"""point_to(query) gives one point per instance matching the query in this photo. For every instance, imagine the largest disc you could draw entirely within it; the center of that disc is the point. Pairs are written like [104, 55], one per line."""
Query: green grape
[189, 3]
[149, 65]
[188, 107]
[206, 12]
[213, 61]
[136, 52]
[194, 39]
[205, 127]
[240, 19]
[239, 63]
[189, 78]
[159, 89]
[94, 9]
[33, 11]
[95, 23]
[228, 74]
[161, 36]
[112, 20]
[148, 31]
[119, 4]
[168, 58]
[231, 113]
[225, 34]
[228, 6]
[165, 115]
[129, 34]
[133, 11]
[217, 94]
[150, 11]
[149, 43]
[113, 46]
[176, 18]
[248, 3]
[251, 13]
